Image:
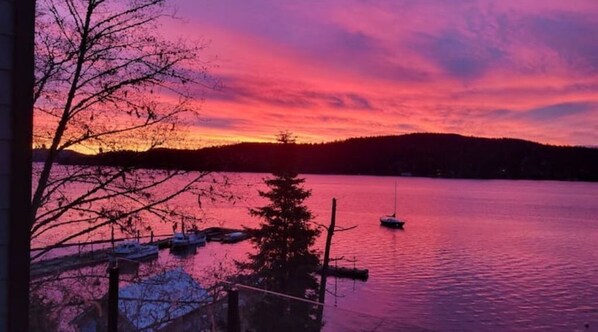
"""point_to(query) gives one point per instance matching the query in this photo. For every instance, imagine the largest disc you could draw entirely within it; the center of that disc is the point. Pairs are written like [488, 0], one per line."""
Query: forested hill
[430, 155]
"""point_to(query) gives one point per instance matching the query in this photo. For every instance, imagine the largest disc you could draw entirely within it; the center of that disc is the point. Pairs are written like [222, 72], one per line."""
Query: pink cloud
[336, 69]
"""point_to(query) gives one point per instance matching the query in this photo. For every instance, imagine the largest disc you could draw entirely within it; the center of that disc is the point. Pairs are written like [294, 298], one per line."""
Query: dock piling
[113, 299]
[234, 321]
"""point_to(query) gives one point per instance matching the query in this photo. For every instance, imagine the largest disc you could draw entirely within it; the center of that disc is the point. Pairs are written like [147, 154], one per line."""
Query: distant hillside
[64, 157]
[429, 155]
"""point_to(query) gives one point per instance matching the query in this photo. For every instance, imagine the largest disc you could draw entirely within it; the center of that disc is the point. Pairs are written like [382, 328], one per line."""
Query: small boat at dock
[234, 237]
[194, 238]
[198, 238]
[221, 234]
[133, 250]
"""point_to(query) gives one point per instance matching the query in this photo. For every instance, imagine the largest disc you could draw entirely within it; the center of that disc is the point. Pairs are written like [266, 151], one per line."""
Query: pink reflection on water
[474, 255]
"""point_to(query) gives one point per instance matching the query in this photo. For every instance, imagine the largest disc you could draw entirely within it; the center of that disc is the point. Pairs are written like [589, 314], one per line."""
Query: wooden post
[324, 272]
[234, 321]
[113, 299]
[152, 237]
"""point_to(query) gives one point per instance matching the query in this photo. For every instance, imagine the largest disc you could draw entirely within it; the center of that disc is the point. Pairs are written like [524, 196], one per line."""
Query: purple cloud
[571, 36]
[460, 56]
[546, 113]
[558, 111]
[474, 66]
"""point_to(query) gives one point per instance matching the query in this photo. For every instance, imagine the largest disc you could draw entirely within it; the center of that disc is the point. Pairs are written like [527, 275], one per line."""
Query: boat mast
[394, 214]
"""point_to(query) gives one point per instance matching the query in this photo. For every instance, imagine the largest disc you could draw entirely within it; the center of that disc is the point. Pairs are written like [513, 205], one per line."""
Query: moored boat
[133, 250]
[179, 240]
[234, 237]
[392, 220]
[194, 238]
[197, 238]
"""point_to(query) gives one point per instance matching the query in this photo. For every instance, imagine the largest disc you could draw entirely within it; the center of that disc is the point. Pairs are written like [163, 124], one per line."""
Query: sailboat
[392, 220]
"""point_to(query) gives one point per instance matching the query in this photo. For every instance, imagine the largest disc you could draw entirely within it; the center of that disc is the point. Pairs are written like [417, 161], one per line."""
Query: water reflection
[475, 255]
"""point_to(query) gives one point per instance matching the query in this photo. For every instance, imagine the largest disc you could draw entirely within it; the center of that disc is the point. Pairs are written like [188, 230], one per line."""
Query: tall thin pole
[234, 321]
[395, 209]
[324, 272]
[113, 299]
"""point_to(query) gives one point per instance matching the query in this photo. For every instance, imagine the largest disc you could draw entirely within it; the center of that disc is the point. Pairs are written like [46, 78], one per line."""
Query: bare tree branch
[105, 81]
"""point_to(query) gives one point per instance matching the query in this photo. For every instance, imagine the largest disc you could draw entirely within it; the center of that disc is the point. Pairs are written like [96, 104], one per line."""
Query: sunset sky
[336, 69]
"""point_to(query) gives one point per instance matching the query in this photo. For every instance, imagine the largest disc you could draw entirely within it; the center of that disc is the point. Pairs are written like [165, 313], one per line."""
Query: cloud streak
[335, 69]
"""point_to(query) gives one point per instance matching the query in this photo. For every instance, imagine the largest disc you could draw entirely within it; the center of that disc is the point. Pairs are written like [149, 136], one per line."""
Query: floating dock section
[347, 272]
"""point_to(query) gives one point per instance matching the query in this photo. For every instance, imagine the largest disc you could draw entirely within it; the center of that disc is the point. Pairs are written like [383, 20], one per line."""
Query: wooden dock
[100, 256]
[218, 234]
[347, 272]
[68, 262]
[75, 261]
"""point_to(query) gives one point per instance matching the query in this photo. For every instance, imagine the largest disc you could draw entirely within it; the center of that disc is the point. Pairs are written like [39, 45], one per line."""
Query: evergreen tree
[284, 261]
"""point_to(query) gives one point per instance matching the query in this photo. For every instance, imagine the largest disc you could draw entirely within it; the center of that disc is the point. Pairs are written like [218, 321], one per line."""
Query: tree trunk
[324, 273]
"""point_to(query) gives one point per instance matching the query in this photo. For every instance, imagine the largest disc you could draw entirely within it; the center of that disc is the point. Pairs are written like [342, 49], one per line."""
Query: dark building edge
[20, 180]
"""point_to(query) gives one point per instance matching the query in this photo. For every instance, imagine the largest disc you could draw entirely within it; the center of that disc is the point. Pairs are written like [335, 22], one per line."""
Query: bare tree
[106, 81]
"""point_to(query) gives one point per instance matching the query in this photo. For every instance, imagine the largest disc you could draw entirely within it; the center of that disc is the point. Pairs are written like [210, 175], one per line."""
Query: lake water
[474, 255]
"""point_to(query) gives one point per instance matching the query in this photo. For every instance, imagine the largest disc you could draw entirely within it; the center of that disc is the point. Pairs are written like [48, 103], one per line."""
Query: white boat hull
[143, 254]
[180, 240]
[135, 251]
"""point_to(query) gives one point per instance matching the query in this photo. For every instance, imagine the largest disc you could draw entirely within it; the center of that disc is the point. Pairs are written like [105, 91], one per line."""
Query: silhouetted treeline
[429, 155]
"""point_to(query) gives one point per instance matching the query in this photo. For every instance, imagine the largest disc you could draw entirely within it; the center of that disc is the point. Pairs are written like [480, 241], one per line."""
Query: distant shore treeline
[428, 155]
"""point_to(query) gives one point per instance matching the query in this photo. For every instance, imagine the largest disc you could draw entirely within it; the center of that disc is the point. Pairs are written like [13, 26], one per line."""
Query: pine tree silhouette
[284, 261]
